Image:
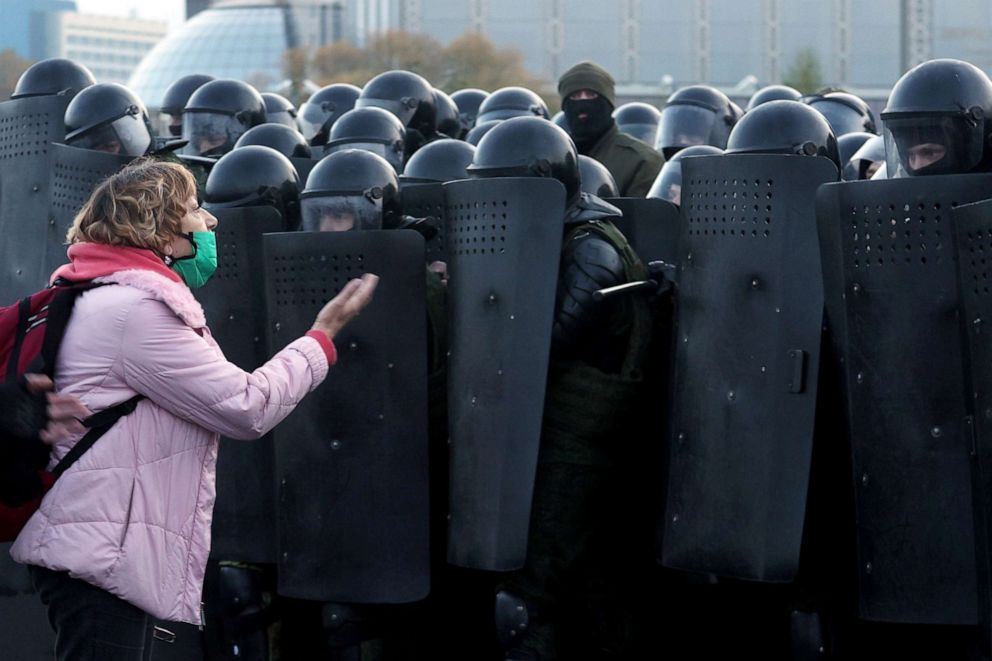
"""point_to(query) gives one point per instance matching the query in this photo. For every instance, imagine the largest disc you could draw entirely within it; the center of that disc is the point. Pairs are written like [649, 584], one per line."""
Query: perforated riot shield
[504, 246]
[351, 460]
[75, 174]
[244, 525]
[651, 226]
[27, 128]
[893, 309]
[749, 315]
[973, 250]
[421, 201]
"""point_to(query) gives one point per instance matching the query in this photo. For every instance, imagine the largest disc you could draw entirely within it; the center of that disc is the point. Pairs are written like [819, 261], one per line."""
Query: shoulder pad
[589, 207]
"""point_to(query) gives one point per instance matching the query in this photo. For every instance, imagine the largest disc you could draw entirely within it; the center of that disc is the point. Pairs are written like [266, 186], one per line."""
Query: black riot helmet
[351, 189]
[468, 101]
[371, 129]
[848, 144]
[108, 117]
[846, 113]
[53, 76]
[695, 115]
[441, 160]
[447, 121]
[639, 120]
[218, 114]
[784, 127]
[865, 162]
[279, 109]
[508, 102]
[475, 136]
[287, 141]
[561, 121]
[323, 108]
[668, 184]
[175, 98]
[255, 176]
[529, 147]
[773, 93]
[939, 120]
[596, 179]
[405, 94]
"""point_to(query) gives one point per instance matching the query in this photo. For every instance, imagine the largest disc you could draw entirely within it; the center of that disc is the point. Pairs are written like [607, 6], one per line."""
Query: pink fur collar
[174, 294]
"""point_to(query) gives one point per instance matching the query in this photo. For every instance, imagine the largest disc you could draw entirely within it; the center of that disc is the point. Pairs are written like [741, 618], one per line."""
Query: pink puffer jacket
[132, 515]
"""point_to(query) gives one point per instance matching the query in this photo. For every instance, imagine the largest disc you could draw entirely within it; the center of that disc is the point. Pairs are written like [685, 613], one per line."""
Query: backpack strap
[98, 424]
[57, 320]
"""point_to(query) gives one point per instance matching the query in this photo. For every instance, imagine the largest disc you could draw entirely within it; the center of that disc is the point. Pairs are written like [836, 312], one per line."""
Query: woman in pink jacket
[124, 534]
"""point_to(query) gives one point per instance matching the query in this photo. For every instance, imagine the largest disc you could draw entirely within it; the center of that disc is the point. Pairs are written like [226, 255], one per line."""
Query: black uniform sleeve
[582, 324]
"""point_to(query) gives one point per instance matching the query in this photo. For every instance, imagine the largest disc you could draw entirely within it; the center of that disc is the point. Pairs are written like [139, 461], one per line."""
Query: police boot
[244, 614]
[520, 630]
[807, 636]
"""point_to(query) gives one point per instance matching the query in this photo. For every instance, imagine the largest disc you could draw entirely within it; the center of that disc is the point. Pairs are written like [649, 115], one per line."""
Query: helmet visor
[210, 134]
[404, 108]
[646, 133]
[311, 119]
[171, 123]
[127, 135]
[341, 213]
[284, 117]
[869, 154]
[684, 126]
[392, 152]
[932, 144]
[668, 184]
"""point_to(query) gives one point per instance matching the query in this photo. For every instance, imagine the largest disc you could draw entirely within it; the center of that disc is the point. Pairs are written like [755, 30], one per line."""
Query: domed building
[240, 39]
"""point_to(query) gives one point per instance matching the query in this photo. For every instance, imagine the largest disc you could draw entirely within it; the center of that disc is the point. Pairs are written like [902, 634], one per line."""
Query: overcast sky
[171, 11]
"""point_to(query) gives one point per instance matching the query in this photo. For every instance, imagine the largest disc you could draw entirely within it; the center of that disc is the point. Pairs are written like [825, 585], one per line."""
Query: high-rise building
[22, 21]
[110, 46]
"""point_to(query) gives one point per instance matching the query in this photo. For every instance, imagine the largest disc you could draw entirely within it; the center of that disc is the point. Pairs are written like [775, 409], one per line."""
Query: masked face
[589, 116]
[193, 252]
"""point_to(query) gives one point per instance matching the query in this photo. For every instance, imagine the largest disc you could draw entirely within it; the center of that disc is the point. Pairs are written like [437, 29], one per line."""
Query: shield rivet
[492, 298]
[731, 396]
[382, 416]
[977, 322]
[867, 567]
[285, 555]
[763, 369]
[681, 436]
[864, 479]
[230, 317]
[936, 432]
[499, 372]
[475, 400]
[755, 283]
[34, 188]
[860, 377]
[353, 345]
[18, 271]
[675, 518]
[512, 317]
[278, 326]
[856, 288]
[335, 444]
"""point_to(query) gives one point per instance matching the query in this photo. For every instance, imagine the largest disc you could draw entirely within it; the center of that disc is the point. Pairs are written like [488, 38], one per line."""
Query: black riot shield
[651, 226]
[28, 127]
[504, 245]
[747, 350]
[973, 250]
[75, 174]
[423, 200]
[351, 460]
[893, 309]
[233, 301]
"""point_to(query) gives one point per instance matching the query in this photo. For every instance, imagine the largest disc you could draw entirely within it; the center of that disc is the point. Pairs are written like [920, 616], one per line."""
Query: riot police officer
[695, 115]
[448, 121]
[441, 160]
[507, 102]
[668, 184]
[175, 98]
[773, 93]
[468, 101]
[217, 114]
[323, 108]
[279, 109]
[410, 98]
[597, 350]
[53, 76]
[372, 129]
[638, 120]
[937, 120]
[845, 112]
[109, 117]
[287, 141]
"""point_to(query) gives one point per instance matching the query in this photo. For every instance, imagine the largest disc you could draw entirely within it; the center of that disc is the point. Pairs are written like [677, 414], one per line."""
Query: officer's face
[925, 154]
[872, 169]
[336, 222]
[205, 143]
[110, 146]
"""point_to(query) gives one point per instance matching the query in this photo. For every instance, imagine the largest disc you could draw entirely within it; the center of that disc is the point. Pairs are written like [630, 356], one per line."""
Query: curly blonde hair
[142, 206]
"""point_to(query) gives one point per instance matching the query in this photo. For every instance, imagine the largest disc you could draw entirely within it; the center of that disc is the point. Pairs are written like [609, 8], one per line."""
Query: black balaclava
[599, 119]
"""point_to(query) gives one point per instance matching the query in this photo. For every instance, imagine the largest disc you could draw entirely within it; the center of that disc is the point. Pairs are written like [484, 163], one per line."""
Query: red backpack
[31, 332]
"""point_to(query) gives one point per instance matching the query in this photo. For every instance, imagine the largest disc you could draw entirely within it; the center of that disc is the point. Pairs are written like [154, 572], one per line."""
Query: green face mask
[196, 269]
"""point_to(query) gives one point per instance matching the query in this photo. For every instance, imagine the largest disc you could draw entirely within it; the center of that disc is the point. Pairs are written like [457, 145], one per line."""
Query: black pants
[91, 624]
